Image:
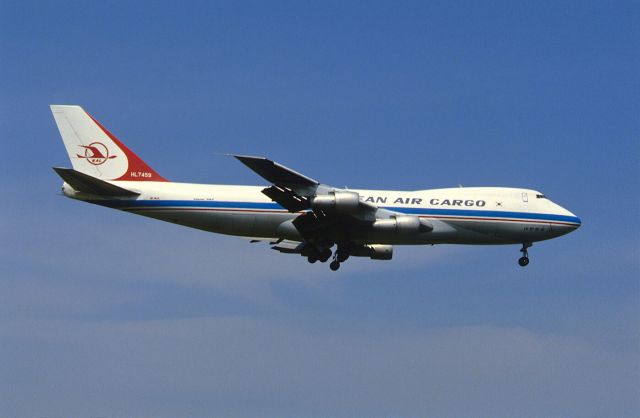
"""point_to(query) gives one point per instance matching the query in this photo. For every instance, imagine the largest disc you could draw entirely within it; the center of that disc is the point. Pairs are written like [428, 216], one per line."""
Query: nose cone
[578, 221]
[572, 218]
[565, 222]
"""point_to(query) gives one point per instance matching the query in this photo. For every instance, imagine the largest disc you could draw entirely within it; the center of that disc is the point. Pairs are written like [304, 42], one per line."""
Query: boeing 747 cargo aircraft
[297, 214]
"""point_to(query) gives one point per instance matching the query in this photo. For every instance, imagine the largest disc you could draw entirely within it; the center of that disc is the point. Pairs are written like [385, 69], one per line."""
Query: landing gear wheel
[335, 265]
[524, 260]
[325, 255]
[312, 259]
[342, 256]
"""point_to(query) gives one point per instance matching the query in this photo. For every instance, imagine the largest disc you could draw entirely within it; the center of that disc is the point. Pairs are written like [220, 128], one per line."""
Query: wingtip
[249, 157]
[239, 156]
[251, 160]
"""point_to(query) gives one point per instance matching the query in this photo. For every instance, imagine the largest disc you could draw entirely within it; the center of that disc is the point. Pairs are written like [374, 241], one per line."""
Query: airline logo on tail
[90, 145]
[96, 153]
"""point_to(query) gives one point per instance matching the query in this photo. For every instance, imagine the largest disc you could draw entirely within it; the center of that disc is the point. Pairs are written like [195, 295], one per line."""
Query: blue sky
[108, 314]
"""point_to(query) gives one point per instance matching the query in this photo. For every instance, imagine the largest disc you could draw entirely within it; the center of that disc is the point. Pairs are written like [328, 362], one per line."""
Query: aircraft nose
[578, 222]
[572, 221]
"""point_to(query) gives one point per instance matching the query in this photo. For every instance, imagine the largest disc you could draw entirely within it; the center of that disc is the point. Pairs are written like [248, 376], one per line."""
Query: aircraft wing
[277, 173]
[327, 210]
[295, 191]
[290, 189]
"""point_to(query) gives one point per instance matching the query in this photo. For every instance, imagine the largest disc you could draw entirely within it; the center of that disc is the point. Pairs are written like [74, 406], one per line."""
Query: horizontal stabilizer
[87, 184]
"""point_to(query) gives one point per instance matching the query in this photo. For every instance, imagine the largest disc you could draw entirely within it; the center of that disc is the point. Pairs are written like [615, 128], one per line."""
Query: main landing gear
[340, 256]
[322, 256]
[524, 260]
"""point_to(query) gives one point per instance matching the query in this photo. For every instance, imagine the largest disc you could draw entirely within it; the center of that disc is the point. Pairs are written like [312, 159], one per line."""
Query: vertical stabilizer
[95, 151]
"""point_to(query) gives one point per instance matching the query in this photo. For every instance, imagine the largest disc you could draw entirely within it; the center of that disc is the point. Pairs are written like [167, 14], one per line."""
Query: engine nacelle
[402, 225]
[373, 251]
[337, 202]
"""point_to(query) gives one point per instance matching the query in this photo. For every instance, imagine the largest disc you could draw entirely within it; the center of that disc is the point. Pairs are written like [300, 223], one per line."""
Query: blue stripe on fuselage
[488, 214]
[142, 204]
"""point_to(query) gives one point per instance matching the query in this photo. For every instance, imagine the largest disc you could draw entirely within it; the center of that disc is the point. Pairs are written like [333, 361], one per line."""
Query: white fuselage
[469, 215]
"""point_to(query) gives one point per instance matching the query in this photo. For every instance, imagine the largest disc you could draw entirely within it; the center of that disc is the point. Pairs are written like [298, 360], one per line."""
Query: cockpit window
[541, 196]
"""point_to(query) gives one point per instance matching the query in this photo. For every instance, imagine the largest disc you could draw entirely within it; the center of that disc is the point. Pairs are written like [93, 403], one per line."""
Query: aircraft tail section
[95, 151]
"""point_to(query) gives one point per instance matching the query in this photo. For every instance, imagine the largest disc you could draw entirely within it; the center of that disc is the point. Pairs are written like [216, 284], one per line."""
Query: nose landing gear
[524, 260]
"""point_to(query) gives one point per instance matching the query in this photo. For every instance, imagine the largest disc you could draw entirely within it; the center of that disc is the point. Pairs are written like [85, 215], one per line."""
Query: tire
[523, 261]
[334, 265]
[342, 257]
[325, 255]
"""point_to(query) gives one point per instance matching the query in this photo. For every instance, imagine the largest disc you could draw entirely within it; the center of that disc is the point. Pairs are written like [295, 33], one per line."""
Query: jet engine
[373, 251]
[336, 202]
[402, 225]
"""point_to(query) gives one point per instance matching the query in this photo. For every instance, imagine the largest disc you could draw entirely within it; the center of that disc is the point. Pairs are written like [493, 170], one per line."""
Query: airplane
[297, 214]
